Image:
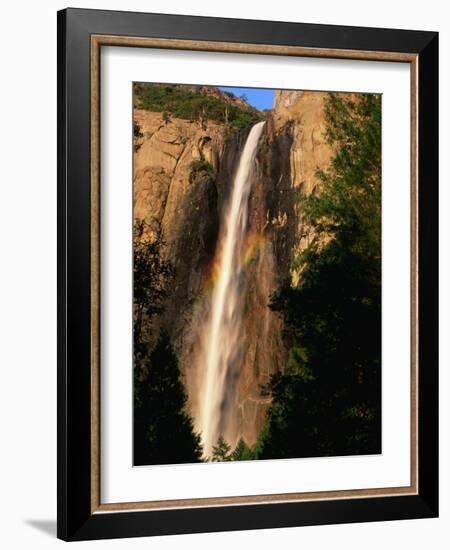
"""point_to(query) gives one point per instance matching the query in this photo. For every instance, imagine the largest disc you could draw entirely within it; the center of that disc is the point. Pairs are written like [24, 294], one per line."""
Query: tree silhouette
[163, 431]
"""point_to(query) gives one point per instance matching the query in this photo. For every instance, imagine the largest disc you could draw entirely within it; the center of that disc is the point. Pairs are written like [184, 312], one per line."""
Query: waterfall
[222, 333]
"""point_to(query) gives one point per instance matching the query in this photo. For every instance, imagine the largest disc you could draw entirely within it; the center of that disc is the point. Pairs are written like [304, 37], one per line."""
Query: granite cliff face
[183, 214]
[304, 113]
[184, 210]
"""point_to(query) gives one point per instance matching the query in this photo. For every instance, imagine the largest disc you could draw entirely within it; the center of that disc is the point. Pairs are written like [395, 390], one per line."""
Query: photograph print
[256, 274]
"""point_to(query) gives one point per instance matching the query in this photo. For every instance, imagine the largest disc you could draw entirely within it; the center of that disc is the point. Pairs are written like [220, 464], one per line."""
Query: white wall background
[28, 273]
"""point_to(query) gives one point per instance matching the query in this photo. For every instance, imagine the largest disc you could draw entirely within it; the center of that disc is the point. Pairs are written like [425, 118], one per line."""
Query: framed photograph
[247, 253]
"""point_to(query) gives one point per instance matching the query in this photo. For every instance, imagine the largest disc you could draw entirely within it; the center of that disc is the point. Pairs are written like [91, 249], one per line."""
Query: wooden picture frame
[81, 35]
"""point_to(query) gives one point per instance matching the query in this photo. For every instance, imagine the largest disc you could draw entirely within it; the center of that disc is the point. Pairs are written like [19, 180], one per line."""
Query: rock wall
[305, 112]
[183, 215]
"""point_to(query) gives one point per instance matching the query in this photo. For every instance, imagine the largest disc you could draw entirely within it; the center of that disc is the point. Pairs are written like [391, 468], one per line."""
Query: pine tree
[221, 452]
[242, 451]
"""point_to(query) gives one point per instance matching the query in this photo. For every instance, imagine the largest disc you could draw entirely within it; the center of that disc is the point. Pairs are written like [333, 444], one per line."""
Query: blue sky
[261, 99]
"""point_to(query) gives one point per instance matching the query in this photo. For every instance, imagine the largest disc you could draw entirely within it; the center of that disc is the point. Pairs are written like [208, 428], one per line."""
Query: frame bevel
[80, 512]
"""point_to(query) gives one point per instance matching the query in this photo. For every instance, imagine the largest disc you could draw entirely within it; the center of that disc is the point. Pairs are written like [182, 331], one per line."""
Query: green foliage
[201, 166]
[151, 277]
[297, 364]
[221, 452]
[242, 451]
[349, 205]
[163, 431]
[184, 103]
[327, 402]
